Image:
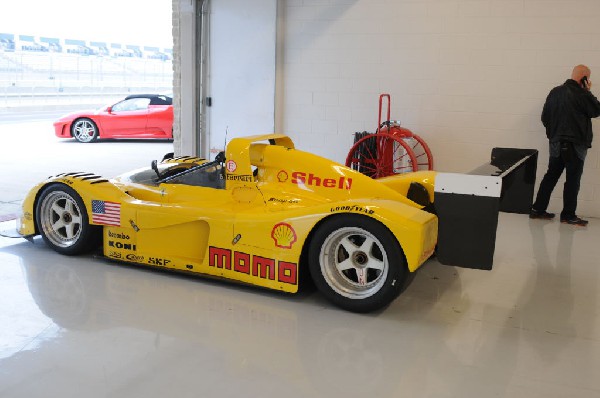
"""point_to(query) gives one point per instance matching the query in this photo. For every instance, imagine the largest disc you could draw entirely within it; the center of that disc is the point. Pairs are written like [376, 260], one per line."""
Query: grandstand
[41, 70]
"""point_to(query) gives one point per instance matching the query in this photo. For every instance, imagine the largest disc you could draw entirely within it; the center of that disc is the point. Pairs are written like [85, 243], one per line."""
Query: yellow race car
[264, 213]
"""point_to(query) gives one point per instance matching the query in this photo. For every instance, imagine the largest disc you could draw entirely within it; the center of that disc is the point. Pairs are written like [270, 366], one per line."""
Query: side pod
[467, 205]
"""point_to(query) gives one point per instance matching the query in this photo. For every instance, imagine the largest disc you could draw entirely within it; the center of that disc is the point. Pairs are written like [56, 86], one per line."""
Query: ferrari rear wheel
[63, 222]
[356, 263]
[84, 130]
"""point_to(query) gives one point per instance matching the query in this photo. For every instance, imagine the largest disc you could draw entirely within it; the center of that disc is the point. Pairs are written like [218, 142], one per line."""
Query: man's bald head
[579, 72]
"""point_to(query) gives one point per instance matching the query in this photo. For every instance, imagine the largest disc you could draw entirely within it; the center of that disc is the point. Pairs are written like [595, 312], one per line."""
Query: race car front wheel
[84, 130]
[357, 263]
[62, 221]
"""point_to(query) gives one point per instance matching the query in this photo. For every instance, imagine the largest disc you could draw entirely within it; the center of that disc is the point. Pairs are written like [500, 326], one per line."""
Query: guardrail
[10, 98]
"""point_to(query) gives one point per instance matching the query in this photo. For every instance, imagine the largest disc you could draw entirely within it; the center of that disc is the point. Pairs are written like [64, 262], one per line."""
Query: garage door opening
[70, 56]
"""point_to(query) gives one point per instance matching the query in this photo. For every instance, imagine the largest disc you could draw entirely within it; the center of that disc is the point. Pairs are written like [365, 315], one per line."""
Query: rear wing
[467, 205]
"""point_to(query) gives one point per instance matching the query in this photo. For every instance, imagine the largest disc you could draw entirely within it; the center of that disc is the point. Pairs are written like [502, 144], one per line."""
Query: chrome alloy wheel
[60, 219]
[353, 262]
[84, 130]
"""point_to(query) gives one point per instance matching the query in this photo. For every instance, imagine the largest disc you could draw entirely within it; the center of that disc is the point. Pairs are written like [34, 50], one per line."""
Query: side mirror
[109, 109]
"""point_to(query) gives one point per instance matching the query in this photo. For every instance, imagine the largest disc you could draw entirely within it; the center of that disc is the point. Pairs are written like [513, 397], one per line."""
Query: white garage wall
[242, 69]
[466, 75]
[239, 66]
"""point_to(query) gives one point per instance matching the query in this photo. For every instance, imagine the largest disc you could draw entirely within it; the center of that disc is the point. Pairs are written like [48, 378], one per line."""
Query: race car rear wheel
[84, 130]
[62, 221]
[357, 263]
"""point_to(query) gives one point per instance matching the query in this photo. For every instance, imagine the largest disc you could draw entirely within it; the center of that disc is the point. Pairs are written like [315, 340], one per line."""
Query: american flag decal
[107, 213]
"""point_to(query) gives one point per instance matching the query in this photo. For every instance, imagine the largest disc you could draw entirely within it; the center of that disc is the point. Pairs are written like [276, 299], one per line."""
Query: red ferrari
[136, 116]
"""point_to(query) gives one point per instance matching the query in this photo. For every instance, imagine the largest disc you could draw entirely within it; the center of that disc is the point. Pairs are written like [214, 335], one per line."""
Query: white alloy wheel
[84, 130]
[60, 219]
[356, 262]
[353, 262]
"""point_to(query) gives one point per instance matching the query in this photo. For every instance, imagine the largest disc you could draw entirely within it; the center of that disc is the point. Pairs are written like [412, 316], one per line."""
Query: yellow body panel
[254, 228]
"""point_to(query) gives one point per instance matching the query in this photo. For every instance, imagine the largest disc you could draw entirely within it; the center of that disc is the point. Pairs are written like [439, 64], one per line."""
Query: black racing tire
[62, 220]
[84, 130]
[357, 263]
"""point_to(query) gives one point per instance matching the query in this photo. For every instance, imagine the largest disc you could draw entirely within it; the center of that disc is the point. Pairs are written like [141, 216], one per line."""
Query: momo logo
[284, 235]
[256, 266]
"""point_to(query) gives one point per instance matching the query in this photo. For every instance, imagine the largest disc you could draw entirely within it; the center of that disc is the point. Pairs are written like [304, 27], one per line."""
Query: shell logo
[284, 235]
[282, 176]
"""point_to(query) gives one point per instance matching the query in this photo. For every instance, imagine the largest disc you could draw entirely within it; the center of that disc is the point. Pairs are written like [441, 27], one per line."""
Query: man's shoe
[574, 221]
[543, 215]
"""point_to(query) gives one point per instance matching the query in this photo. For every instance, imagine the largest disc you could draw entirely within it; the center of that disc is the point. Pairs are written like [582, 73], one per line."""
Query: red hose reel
[392, 149]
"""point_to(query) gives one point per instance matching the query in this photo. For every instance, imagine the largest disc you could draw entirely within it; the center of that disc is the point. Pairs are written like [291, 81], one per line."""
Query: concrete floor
[86, 327]
[83, 326]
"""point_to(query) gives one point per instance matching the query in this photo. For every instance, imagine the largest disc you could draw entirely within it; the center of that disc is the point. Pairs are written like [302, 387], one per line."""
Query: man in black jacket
[567, 117]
